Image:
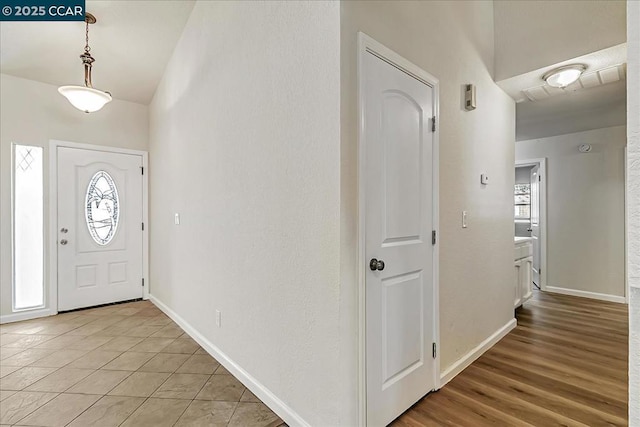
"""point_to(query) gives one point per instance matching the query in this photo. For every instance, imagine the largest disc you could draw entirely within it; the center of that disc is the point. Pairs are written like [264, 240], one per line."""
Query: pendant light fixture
[86, 98]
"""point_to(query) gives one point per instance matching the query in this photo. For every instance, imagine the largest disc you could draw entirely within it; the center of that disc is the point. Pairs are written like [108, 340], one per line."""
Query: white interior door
[99, 227]
[535, 222]
[400, 307]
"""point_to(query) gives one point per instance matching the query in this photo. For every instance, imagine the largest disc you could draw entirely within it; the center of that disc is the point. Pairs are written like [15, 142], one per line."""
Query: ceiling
[532, 34]
[597, 100]
[132, 42]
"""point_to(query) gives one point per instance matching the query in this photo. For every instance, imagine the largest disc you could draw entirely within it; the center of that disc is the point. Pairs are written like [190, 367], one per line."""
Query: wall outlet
[464, 219]
[176, 219]
[218, 318]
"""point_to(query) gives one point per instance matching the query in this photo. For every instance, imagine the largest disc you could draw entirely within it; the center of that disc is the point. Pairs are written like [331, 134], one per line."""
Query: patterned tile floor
[118, 365]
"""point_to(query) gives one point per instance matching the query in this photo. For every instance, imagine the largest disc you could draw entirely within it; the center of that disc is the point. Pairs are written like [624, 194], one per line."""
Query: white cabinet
[526, 278]
[523, 284]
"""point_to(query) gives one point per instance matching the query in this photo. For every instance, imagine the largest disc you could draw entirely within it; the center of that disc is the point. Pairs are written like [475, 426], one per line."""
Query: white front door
[99, 227]
[400, 306]
[535, 222]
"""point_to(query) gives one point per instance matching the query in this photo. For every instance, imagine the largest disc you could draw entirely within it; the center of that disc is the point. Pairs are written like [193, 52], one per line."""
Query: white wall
[534, 34]
[32, 113]
[244, 132]
[633, 205]
[523, 175]
[585, 209]
[579, 113]
[454, 42]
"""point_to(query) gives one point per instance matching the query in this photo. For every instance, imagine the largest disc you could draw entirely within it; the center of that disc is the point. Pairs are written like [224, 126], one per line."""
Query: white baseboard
[26, 315]
[287, 414]
[470, 357]
[585, 294]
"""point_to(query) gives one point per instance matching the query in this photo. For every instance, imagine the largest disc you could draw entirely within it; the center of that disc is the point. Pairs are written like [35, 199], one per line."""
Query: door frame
[627, 289]
[542, 171]
[367, 45]
[53, 212]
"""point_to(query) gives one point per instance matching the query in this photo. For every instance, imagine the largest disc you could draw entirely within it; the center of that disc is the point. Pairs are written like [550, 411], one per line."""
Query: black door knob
[375, 264]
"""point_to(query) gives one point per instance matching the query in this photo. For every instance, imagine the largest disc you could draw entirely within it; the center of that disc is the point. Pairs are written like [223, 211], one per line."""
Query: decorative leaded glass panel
[102, 208]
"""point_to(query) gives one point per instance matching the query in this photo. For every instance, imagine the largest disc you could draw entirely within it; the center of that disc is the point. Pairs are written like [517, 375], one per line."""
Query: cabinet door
[516, 285]
[526, 279]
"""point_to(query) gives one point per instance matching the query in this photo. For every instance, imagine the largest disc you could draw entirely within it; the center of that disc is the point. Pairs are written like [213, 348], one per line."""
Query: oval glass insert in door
[102, 208]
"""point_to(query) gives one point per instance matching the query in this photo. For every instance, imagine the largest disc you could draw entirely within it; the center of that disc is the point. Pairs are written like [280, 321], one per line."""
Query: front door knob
[375, 264]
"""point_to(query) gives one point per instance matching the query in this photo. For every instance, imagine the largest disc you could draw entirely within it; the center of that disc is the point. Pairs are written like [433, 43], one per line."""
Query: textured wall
[454, 42]
[244, 140]
[32, 113]
[585, 208]
[633, 204]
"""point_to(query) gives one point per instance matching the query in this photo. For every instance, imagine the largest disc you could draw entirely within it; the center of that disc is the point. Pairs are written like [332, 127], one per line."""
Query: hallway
[125, 364]
[564, 364]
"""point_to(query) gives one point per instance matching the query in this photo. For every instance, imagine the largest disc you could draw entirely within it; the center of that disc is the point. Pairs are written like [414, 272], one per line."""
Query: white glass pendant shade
[85, 98]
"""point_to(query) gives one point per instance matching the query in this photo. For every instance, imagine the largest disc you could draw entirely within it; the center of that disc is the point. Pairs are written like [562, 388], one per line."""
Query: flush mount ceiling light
[563, 76]
[86, 98]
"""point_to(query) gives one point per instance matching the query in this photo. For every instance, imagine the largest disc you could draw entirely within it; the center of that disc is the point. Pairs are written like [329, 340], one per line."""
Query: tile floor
[118, 365]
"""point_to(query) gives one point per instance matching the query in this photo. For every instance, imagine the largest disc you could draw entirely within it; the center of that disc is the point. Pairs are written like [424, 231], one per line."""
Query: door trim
[368, 45]
[542, 170]
[53, 213]
[627, 290]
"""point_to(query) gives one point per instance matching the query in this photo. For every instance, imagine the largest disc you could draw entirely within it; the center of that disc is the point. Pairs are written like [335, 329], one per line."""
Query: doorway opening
[530, 214]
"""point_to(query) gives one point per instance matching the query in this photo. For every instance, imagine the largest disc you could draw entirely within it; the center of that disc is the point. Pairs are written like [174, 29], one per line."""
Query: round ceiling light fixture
[584, 148]
[563, 76]
[86, 98]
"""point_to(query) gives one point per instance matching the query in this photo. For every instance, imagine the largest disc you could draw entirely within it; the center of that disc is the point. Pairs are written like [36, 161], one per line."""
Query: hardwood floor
[565, 364]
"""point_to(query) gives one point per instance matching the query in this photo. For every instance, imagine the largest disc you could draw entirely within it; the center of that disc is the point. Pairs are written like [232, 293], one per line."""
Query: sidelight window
[28, 228]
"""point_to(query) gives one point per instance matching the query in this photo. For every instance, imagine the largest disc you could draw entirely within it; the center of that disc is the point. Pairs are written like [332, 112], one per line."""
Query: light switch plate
[176, 219]
[464, 219]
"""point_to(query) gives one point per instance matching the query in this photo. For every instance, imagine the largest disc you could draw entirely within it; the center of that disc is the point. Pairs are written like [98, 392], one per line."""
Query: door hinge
[433, 237]
[143, 281]
[539, 178]
[142, 170]
[143, 226]
[433, 124]
[435, 352]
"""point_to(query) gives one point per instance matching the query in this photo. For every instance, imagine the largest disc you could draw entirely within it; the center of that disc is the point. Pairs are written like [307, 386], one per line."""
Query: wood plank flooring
[565, 364]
